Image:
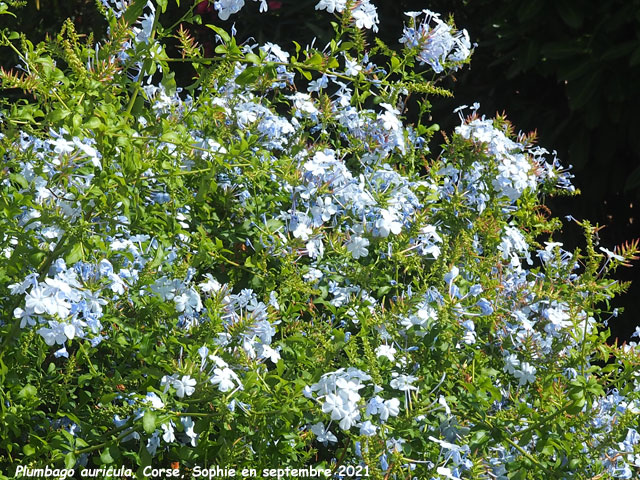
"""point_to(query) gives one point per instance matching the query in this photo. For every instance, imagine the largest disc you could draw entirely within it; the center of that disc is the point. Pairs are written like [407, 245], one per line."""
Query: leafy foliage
[240, 273]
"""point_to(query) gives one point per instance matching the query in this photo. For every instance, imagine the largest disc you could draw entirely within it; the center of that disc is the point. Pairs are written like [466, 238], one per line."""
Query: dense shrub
[269, 269]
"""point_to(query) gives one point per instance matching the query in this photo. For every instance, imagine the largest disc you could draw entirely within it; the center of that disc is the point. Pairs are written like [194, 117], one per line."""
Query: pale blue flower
[357, 246]
[323, 435]
[368, 429]
[331, 6]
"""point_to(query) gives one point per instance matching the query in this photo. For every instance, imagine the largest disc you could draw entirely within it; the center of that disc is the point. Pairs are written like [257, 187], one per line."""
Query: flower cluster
[439, 44]
[69, 304]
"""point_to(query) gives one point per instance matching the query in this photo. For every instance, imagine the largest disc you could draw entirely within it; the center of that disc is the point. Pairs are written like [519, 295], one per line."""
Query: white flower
[276, 51]
[331, 6]
[168, 435]
[446, 472]
[511, 363]
[302, 230]
[427, 241]
[184, 386]
[26, 318]
[323, 435]
[388, 223]
[62, 352]
[228, 7]
[319, 84]
[367, 428]
[40, 301]
[264, 331]
[153, 443]
[611, 255]
[224, 378]
[188, 302]
[188, 425]
[384, 408]
[395, 445]
[154, 400]
[349, 419]
[307, 392]
[167, 380]
[358, 247]
[470, 334]
[57, 333]
[315, 248]
[558, 315]
[94, 302]
[211, 285]
[386, 351]
[451, 275]
[268, 353]
[403, 382]
[526, 374]
[443, 401]
[366, 16]
[335, 405]
[351, 67]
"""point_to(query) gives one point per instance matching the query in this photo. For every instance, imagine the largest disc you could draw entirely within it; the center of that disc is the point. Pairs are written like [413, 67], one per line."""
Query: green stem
[542, 421]
[145, 64]
[528, 455]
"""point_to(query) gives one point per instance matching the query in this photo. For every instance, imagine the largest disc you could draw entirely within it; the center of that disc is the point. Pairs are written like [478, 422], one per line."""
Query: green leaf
[69, 460]
[134, 11]
[28, 391]
[548, 450]
[84, 379]
[157, 258]
[249, 75]
[93, 123]
[106, 457]
[571, 12]
[316, 59]
[76, 121]
[58, 114]
[19, 179]
[169, 81]
[207, 184]
[220, 31]
[4, 10]
[28, 450]
[582, 91]
[305, 73]
[149, 422]
[108, 398]
[562, 50]
[170, 137]
[529, 10]
[75, 254]
[479, 438]
[253, 58]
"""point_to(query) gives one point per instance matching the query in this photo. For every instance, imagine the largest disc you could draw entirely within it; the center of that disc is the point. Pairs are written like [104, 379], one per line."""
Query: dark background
[568, 68]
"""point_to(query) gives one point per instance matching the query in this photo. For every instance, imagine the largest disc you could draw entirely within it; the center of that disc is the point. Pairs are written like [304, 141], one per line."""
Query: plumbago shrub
[269, 269]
